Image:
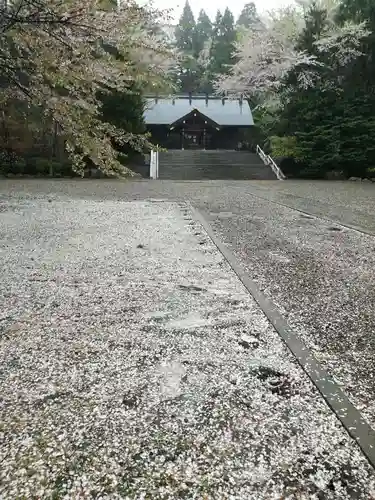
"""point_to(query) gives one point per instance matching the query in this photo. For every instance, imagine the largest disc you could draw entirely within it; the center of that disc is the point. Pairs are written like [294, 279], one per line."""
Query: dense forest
[73, 81]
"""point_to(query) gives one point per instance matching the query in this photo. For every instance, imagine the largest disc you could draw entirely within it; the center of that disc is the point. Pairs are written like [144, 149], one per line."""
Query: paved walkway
[136, 365]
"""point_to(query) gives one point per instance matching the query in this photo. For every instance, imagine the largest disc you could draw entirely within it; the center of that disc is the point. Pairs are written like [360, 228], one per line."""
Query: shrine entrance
[196, 130]
[192, 139]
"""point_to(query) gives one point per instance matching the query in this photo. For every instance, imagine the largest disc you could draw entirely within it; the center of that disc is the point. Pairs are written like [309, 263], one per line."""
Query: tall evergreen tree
[185, 30]
[359, 83]
[360, 11]
[187, 76]
[334, 125]
[249, 16]
[223, 42]
[203, 32]
[217, 24]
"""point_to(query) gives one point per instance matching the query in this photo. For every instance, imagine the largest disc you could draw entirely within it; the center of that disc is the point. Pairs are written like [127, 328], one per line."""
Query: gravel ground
[320, 279]
[350, 203]
[135, 365]
[319, 274]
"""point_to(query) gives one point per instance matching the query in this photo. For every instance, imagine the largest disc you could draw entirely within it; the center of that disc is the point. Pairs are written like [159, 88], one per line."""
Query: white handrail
[154, 165]
[267, 160]
[157, 164]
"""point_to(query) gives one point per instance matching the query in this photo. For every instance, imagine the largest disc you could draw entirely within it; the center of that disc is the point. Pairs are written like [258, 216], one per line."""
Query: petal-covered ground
[135, 365]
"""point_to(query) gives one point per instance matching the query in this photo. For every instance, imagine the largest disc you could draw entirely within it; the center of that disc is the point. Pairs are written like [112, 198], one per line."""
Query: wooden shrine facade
[197, 122]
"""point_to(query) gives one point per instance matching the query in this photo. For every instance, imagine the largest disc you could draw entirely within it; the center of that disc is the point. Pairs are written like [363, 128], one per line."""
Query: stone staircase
[212, 164]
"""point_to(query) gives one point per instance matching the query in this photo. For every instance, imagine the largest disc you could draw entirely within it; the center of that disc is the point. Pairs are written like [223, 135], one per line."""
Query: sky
[211, 6]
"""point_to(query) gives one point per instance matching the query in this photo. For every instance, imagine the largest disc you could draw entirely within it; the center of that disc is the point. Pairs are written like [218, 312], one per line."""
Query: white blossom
[343, 43]
[82, 49]
[266, 55]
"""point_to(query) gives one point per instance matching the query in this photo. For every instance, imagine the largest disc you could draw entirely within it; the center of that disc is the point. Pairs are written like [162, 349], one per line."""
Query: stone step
[212, 164]
[207, 154]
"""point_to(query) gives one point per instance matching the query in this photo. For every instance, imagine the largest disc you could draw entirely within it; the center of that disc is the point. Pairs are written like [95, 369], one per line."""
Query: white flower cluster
[265, 56]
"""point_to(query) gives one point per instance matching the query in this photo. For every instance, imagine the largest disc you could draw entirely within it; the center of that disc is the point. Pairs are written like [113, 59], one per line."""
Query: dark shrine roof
[165, 111]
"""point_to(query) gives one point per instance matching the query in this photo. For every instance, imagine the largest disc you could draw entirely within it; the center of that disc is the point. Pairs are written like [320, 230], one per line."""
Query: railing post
[157, 164]
[152, 165]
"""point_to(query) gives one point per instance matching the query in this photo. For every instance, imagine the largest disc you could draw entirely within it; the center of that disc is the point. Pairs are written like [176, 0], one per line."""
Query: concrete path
[136, 365]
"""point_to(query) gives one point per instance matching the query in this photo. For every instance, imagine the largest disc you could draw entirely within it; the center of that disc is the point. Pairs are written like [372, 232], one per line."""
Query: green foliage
[249, 16]
[315, 22]
[223, 43]
[185, 30]
[332, 124]
[203, 32]
[35, 166]
[343, 134]
[187, 75]
[358, 11]
[206, 48]
[267, 121]
[334, 131]
[284, 147]
[124, 110]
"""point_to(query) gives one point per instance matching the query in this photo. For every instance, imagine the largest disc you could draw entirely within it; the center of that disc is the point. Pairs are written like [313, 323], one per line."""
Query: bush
[42, 166]
[284, 147]
[10, 164]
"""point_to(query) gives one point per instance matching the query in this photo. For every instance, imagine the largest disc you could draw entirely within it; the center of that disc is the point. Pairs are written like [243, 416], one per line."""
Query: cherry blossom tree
[268, 53]
[60, 54]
